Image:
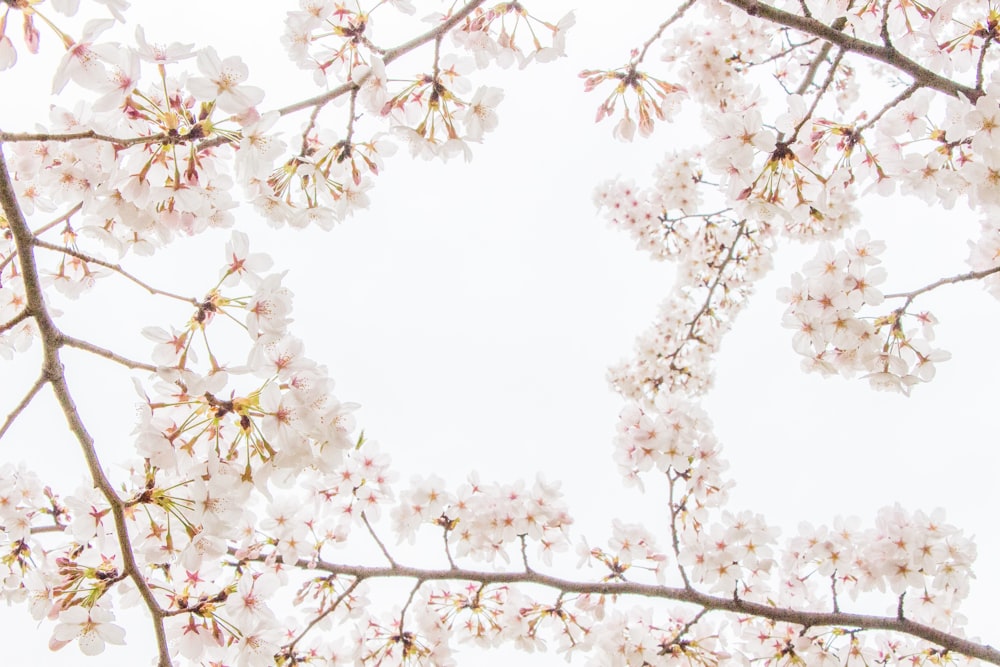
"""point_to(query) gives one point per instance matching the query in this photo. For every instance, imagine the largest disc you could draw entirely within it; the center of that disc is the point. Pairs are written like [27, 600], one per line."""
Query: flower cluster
[826, 308]
[508, 33]
[904, 552]
[719, 258]
[483, 521]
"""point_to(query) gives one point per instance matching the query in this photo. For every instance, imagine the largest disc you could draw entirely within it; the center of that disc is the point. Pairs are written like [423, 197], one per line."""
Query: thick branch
[885, 54]
[124, 142]
[734, 605]
[52, 372]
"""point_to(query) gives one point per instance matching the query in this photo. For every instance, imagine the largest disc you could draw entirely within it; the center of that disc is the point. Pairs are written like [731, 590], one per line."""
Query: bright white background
[473, 309]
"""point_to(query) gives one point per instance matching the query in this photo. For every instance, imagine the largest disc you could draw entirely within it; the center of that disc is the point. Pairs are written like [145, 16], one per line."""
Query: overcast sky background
[473, 309]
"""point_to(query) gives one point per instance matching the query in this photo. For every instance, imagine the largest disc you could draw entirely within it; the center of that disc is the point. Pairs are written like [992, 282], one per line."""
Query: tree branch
[117, 268]
[124, 142]
[659, 31]
[87, 346]
[708, 602]
[390, 55]
[884, 54]
[14, 321]
[52, 372]
[962, 277]
[35, 388]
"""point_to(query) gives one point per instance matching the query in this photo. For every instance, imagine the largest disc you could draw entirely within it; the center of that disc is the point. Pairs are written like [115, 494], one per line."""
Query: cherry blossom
[91, 628]
[222, 80]
[257, 522]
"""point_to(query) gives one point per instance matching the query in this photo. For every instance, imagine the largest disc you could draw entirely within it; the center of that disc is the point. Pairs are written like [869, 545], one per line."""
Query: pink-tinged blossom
[116, 7]
[67, 7]
[123, 76]
[161, 54]
[8, 55]
[259, 148]
[222, 81]
[250, 604]
[480, 116]
[269, 307]
[373, 93]
[258, 644]
[91, 628]
[81, 63]
[241, 264]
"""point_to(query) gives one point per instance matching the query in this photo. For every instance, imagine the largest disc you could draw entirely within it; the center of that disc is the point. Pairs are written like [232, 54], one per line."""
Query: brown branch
[381, 546]
[124, 142]
[62, 218]
[963, 277]
[819, 95]
[784, 52]
[708, 602]
[659, 31]
[14, 321]
[340, 598]
[87, 346]
[821, 56]
[117, 268]
[982, 60]
[35, 388]
[906, 94]
[674, 533]
[390, 55]
[44, 228]
[884, 54]
[52, 372]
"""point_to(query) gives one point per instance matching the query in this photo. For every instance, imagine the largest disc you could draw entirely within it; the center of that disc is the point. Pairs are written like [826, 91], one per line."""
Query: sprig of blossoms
[827, 305]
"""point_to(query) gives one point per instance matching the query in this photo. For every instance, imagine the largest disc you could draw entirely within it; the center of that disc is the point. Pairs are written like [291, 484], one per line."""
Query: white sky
[473, 310]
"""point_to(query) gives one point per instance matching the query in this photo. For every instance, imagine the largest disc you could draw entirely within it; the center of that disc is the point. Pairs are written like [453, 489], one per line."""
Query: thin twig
[61, 219]
[674, 533]
[884, 30]
[659, 31]
[781, 54]
[107, 354]
[117, 268]
[820, 58]
[409, 599]
[390, 55]
[44, 228]
[982, 59]
[14, 321]
[371, 531]
[906, 94]
[819, 95]
[447, 547]
[524, 553]
[35, 388]
[962, 277]
[340, 598]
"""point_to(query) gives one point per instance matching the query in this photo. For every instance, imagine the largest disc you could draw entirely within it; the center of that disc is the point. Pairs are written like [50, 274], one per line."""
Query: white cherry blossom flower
[92, 628]
[222, 81]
